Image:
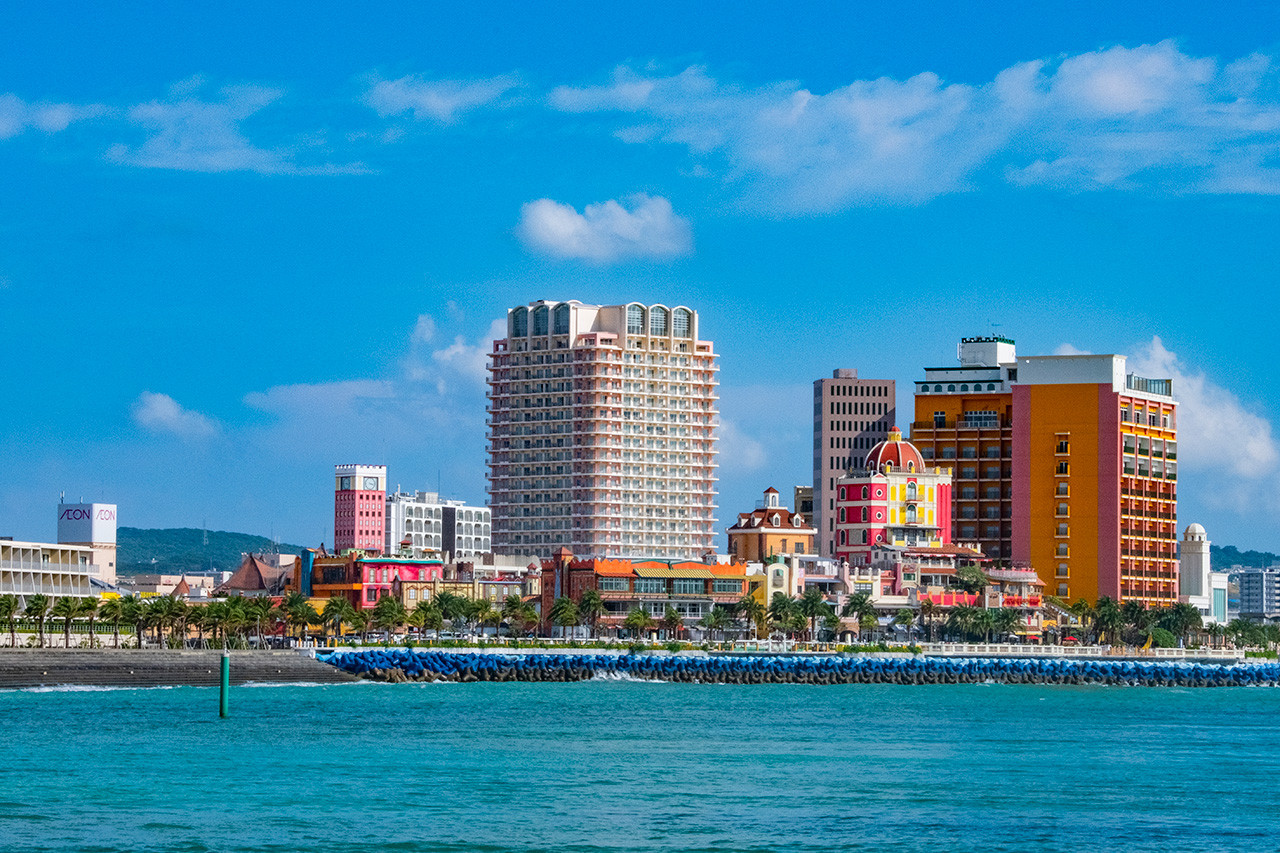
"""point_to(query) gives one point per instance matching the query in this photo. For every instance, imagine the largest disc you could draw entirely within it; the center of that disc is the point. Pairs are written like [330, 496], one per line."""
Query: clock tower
[359, 507]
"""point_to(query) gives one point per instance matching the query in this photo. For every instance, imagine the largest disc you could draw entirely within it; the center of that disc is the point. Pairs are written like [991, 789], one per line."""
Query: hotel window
[726, 586]
[1063, 468]
[614, 584]
[1062, 530]
[540, 320]
[689, 586]
[658, 321]
[682, 323]
[519, 323]
[1062, 549]
[560, 321]
[1062, 570]
[651, 585]
[1063, 509]
[635, 320]
[1062, 590]
[1064, 490]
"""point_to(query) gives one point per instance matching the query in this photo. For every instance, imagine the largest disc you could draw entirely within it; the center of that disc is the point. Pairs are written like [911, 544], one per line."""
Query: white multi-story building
[602, 432]
[94, 525]
[433, 524]
[28, 568]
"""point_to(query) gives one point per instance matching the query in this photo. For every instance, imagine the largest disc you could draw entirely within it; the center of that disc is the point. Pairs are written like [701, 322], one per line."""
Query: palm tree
[1180, 619]
[813, 605]
[133, 613]
[927, 611]
[361, 621]
[860, 607]
[65, 608]
[671, 622]
[564, 613]
[8, 612]
[427, 615]
[1007, 620]
[962, 621]
[38, 609]
[906, 617]
[1108, 618]
[109, 610]
[1083, 611]
[751, 611]
[337, 611]
[261, 609]
[513, 609]
[638, 621]
[717, 619]
[591, 606]
[984, 621]
[388, 614]
[89, 610]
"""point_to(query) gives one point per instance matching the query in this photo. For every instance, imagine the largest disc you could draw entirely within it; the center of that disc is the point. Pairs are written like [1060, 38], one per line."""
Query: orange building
[691, 588]
[770, 530]
[1095, 478]
[964, 421]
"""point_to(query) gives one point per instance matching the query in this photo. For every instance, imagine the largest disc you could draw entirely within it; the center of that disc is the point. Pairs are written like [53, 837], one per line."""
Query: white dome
[1194, 529]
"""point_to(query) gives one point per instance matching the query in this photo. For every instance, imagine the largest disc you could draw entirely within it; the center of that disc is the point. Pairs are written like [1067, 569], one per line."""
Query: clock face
[344, 483]
[371, 484]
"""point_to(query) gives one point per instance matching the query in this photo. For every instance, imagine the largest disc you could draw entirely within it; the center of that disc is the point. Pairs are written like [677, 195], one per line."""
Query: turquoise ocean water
[607, 765]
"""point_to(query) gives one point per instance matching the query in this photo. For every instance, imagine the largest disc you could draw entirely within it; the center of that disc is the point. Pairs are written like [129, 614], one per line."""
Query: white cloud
[190, 132]
[424, 330]
[160, 413]
[607, 231]
[1069, 349]
[17, 115]
[441, 100]
[1216, 430]
[1148, 117]
[739, 452]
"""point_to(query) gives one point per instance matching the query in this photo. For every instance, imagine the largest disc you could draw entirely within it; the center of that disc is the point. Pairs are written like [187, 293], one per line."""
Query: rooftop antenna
[62, 497]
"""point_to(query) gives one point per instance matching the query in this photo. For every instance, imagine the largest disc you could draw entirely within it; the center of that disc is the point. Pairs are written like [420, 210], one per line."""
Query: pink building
[381, 576]
[894, 499]
[359, 507]
[602, 432]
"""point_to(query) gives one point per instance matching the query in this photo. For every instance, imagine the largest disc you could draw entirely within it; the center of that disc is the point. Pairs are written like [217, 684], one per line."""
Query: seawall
[156, 668]
[398, 665]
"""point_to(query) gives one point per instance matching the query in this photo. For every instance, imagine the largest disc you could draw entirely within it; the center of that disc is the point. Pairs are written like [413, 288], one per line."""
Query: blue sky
[238, 246]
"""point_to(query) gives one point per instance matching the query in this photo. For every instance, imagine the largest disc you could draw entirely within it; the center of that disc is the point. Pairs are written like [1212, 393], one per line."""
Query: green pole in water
[224, 704]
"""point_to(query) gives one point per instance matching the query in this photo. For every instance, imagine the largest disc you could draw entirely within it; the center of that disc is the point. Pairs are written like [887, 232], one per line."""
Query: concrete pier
[155, 668]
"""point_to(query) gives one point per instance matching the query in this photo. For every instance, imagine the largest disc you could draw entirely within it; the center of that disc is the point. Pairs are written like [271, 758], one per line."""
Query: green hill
[182, 549]
[1223, 557]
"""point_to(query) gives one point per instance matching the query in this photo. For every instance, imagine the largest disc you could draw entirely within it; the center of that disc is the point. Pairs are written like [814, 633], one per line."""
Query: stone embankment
[155, 668]
[401, 665]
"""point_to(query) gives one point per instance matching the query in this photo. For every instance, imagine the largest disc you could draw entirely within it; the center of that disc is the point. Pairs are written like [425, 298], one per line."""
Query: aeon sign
[81, 523]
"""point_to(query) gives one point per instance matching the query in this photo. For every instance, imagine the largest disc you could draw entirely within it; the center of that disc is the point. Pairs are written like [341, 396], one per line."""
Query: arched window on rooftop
[658, 321]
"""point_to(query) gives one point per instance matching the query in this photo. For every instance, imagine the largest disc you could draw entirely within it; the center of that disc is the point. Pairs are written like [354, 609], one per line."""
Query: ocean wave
[624, 676]
[93, 688]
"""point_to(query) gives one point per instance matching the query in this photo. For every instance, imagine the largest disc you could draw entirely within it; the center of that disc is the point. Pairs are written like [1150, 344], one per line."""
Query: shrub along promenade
[403, 665]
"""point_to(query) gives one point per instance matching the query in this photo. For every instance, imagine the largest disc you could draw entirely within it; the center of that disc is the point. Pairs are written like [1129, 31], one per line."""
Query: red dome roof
[896, 452]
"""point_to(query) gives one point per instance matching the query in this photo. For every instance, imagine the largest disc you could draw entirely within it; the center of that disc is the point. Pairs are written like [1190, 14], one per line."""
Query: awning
[668, 572]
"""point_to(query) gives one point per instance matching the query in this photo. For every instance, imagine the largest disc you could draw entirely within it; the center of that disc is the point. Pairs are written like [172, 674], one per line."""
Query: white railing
[1026, 650]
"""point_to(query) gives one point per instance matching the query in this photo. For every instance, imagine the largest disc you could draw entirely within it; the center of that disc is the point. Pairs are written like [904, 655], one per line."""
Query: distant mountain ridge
[1223, 557]
[176, 550]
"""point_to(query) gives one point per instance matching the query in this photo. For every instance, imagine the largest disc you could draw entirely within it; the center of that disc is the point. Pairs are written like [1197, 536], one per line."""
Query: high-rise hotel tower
[1095, 478]
[602, 423]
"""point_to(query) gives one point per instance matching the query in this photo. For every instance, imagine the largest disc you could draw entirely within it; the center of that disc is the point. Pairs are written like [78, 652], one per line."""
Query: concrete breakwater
[157, 668]
[399, 665]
